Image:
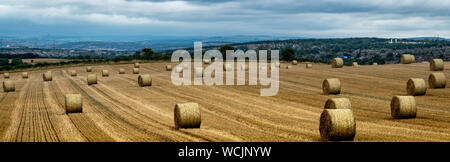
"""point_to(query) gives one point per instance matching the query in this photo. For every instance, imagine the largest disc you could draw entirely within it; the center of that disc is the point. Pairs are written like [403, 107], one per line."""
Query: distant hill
[121, 43]
[428, 38]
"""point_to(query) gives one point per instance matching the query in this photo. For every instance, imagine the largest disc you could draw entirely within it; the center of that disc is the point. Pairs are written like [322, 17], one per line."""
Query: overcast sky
[307, 18]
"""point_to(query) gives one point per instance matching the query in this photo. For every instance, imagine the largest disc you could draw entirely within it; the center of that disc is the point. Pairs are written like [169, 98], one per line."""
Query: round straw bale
[105, 73]
[436, 65]
[145, 80]
[403, 107]
[338, 103]
[227, 67]
[206, 61]
[88, 69]
[337, 63]
[187, 115]
[288, 67]
[308, 65]
[437, 80]
[331, 86]
[6, 75]
[92, 79]
[198, 72]
[8, 86]
[375, 63]
[74, 103]
[355, 64]
[73, 73]
[121, 71]
[294, 62]
[407, 59]
[24, 75]
[135, 70]
[168, 67]
[136, 65]
[416, 86]
[47, 76]
[337, 125]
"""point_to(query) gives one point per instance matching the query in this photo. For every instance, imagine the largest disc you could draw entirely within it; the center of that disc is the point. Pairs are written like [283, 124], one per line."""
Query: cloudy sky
[302, 18]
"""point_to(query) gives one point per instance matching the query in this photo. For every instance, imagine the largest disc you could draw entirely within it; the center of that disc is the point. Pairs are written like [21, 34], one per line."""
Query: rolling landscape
[225, 80]
[118, 109]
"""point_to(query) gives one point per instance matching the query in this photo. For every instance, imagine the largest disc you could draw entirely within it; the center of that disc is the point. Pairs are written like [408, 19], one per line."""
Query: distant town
[361, 50]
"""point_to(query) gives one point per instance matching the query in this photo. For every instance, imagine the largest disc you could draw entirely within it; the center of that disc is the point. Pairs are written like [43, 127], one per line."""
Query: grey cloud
[308, 17]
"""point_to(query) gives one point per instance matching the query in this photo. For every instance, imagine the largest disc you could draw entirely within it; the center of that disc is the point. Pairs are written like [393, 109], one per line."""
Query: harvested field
[118, 109]
[46, 60]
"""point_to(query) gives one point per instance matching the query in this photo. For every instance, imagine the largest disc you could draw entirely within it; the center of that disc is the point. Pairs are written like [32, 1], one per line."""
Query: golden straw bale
[168, 67]
[403, 107]
[337, 63]
[92, 79]
[407, 59]
[73, 72]
[308, 65]
[437, 80]
[436, 65]
[105, 73]
[331, 86]
[88, 69]
[135, 70]
[337, 125]
[121, 71]
[136, 65]
[187, 115]
[294, 62]
[47, 76]
[6, 75]
[338, 103]
[416, 87]
[74, 103]
[8, 86]
[24, 75]
[145, 80]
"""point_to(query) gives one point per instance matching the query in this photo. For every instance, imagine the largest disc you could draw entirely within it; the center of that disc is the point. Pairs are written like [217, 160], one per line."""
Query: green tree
[137, 55]
[148, 52]
[287, 54]
[4, 61]
[16, 61]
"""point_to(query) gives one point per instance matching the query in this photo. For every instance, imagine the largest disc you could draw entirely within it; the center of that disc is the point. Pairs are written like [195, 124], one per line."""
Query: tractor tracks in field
[114, 114]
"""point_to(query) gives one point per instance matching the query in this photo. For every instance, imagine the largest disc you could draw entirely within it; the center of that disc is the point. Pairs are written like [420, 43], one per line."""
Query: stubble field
[117, 109]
